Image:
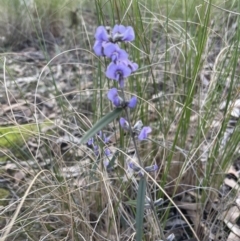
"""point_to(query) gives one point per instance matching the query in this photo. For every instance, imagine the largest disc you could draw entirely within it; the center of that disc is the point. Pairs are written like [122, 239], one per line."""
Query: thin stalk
[141, 165]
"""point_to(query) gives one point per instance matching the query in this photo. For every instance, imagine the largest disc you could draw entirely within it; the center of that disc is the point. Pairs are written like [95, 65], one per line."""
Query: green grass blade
[100, 124]
[140, 208]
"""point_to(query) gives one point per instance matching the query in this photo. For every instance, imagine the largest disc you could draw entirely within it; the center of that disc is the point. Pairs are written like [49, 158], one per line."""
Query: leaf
[100, 124]
[140, 208]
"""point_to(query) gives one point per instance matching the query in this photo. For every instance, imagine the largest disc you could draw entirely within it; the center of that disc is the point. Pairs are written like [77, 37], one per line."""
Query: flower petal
[134, 66]
[152, 168]
[106, 139]
[118, 29]
[131, 65]
[96, 150]
[114, 97]
[117, 71]
[144, 133]
[112, 94]
[128, 34]
[122, 33]
[98, 48]
[107, 152]
[119, 54]
[133, 166]
[111, 71]
[126, 71]
[122, 54]
[124, 124]
[109, 49]
[101, 34]
[132, 102]
[90, 141]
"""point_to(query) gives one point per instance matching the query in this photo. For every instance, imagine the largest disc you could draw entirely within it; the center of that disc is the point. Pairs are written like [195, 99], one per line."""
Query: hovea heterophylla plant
[107, 44]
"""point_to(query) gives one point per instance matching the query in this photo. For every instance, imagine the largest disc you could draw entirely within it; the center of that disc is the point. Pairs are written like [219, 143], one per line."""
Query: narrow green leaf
[140, 208]
[100, 124]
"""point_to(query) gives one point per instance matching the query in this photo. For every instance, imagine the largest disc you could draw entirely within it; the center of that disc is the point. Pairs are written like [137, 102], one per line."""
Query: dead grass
[27, 23]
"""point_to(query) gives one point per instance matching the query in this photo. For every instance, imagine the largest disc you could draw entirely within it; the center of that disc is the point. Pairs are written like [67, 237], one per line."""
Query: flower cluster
[91, 142]
[107, 44]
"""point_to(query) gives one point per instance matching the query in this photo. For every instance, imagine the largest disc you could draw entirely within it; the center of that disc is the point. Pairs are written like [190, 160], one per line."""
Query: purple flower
[96, 150]
[122, 33]
[114, 52]
[118, 71]
[105, 43]
[133, 166]
[132, 102]
[114, 97]
[102, 38]
[98, 48]
[107, 152]
[106, 139]
[138, 129]
[90, 142]
[103, 137]
[152, 168]
[124, 124]
[108, 161]
[129, 64]
[144, 133]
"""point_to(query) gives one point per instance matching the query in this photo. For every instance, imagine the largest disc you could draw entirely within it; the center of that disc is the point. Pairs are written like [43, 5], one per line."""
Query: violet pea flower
[90, 142]
[96, 149]
[114, 97]
[132, 102]
[118, 71]
[152, 168]
[107, 152]
[108, 161]
[134, 167]
[124, 124]
[113, 52]
[133, 66]
[103, 137]
[144, 133]
[122, 33]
